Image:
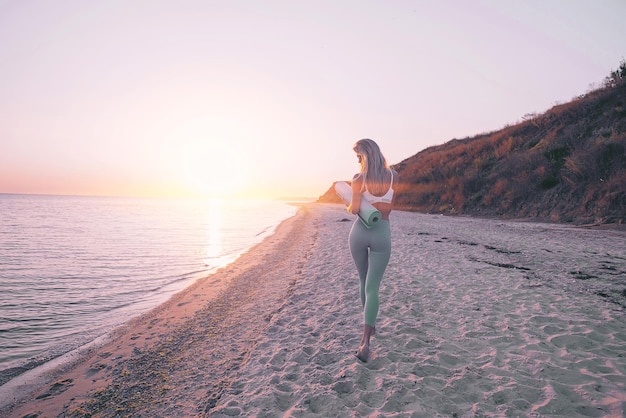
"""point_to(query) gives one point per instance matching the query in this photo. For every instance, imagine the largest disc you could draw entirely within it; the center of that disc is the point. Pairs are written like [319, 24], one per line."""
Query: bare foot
[363, 353]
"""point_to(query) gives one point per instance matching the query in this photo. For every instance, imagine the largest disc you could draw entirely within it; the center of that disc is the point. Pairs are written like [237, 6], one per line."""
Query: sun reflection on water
[214, 230]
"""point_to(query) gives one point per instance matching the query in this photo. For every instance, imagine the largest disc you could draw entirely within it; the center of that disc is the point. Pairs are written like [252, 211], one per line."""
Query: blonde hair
[374, 166]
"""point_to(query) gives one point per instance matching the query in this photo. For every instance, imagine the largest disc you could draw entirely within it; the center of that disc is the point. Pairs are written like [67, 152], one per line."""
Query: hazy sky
[154, 97]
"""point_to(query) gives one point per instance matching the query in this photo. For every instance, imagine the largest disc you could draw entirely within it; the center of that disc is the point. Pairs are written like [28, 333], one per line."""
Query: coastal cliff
[565, 165]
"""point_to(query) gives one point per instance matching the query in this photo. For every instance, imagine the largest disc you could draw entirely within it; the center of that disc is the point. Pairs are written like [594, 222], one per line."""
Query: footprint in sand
[58, 387]
[96, 368]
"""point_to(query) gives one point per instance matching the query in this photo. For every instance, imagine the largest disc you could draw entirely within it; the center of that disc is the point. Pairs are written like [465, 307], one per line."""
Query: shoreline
[92, 368]
[477, 318]
[128, 257]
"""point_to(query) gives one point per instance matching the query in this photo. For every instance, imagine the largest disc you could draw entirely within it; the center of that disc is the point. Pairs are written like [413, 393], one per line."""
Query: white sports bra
[386, 198]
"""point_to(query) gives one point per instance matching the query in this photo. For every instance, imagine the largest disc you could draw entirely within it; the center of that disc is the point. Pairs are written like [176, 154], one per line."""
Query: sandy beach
[478, 318]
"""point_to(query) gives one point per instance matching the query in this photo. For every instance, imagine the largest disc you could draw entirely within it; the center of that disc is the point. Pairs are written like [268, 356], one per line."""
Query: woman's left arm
[395, 185]
[355, 203]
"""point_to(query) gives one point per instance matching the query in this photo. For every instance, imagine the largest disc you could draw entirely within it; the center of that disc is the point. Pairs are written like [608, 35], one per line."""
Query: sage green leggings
[371, 249]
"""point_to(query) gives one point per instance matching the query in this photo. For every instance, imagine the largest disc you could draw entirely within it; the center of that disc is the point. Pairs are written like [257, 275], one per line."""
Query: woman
[371, 248]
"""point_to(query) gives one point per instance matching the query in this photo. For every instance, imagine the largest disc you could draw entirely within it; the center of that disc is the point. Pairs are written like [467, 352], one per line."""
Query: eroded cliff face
[566, 165]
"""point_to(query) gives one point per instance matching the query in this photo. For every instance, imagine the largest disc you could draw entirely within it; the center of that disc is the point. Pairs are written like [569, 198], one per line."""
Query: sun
[208, 157]
[213, 167]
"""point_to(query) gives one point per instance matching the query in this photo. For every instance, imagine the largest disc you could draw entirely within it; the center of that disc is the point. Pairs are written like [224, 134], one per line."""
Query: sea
[72, 268]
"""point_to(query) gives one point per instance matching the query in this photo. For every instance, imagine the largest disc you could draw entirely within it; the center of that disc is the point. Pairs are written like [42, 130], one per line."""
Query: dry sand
[478, 318]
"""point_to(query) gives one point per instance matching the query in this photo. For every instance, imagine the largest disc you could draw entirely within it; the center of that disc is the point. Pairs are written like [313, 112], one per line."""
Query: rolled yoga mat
[368, 214]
